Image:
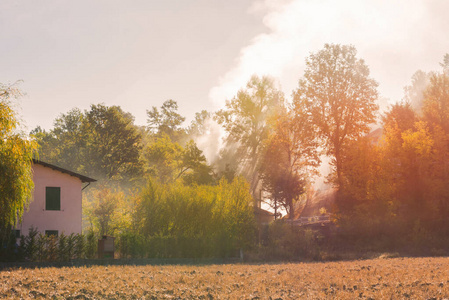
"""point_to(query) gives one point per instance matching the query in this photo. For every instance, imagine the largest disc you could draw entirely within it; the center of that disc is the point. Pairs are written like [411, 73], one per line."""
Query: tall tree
[414, 93]
[436, 101]
[290, 159]
[245, 120]
[169, 161]
[65, 144]
[199, 125]
[113, 144]
[16, 152]
[167, 120]
[102, 142]
[338, 94]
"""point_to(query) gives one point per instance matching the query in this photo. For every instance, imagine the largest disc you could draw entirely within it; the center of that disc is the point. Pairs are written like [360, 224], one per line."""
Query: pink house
[56, 205]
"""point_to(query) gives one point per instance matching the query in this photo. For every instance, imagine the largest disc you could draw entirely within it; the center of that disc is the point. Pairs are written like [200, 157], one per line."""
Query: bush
[40, 247]
[92, 244]
[31, 244]
[80, 246]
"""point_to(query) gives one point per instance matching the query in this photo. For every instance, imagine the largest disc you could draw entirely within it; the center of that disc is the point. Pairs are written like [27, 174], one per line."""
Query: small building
[263, 217]
[56, 204]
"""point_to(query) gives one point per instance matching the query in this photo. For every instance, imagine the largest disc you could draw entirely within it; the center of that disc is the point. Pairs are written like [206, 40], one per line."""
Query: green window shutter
[52, 198]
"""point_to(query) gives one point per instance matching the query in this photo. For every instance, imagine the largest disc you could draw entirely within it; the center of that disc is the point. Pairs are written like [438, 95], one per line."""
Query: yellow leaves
[16, 152]
[418, 141]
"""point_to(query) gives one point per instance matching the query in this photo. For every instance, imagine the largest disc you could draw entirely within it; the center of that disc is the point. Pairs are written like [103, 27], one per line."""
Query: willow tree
[16, 153]
[339, 96]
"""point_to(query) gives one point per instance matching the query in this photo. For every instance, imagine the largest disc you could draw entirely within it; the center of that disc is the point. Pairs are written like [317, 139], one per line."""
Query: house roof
[81, 177]
[263, 212]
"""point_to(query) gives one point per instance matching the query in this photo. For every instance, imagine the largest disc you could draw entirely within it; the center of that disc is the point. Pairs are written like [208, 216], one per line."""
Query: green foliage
[71, 240]
[80, 246]
[162, 158]
[91, 245]
[62, 247]
[199, 125]
[134, 245]
[31, 244]
[16, 152]
[102, 142]
[167, 121]
[108, 211]
[221, 214]
[245, 120]
[290, 159]
[52, 248]
[169, 161]
[42, 247]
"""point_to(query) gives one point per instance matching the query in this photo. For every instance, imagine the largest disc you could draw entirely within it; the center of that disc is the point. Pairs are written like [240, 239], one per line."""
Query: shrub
[91, 247]
[31, 244]
[80, 246]
[42, 247]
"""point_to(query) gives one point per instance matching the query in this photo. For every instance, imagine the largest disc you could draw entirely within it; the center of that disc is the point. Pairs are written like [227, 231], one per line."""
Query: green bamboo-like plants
[41, 250]
[80, 246]
[52, 248]
[31, 244]
[62, 247]
[91, 248]
[71, 240]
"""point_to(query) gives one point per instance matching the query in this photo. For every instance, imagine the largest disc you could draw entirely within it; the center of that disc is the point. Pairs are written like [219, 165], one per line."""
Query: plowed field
[397, 278]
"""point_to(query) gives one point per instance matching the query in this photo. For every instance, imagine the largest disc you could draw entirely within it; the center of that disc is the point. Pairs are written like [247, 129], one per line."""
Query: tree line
[154, 179]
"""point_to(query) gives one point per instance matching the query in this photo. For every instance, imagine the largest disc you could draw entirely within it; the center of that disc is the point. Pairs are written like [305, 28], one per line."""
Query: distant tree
[401, 116]
[169, 161]
[445, 63]
[245, 119]
[414, 93]
[162, 157]
[113, 142]
[16, 153]
[339, 96]
[193, 166]
[289, 161]
[167, 120]
[436, 101]
[102, 142]
[108, 211]
[65, 144]
[199, 125]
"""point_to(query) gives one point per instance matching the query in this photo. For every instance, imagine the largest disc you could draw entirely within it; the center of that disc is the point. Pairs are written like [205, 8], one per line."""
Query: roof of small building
[71, 173]
[260, 211]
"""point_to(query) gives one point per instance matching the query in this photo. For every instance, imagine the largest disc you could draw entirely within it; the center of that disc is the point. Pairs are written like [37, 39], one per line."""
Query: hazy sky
[137, 54]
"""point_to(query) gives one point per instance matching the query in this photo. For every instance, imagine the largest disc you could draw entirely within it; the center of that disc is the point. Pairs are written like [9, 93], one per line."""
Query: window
[17, 233]
[52, 198]
[51, 232]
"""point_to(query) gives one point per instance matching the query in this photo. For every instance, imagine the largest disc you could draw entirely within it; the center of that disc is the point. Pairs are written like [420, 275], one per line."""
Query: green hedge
[40, 247]
[132, 245]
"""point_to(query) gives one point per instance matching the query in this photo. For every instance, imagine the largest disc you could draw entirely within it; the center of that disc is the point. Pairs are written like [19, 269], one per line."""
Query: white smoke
[212, 141]
[395, 37]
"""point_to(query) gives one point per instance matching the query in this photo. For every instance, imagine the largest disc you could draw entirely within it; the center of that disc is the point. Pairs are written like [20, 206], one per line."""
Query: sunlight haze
[199, 53]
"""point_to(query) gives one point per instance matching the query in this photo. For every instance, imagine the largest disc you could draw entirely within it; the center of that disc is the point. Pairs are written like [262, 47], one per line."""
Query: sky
[137, 54]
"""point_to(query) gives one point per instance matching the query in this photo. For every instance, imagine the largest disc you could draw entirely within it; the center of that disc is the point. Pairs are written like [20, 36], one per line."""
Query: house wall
[69, 218]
